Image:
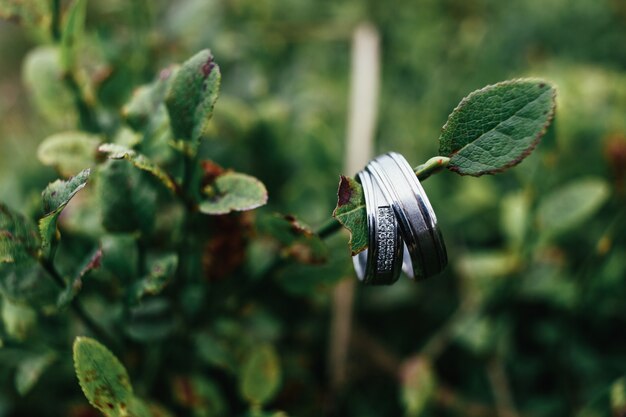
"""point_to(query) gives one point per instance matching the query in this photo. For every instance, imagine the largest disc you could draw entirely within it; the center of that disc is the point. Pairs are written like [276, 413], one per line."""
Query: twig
[79, 311]
[501, 388]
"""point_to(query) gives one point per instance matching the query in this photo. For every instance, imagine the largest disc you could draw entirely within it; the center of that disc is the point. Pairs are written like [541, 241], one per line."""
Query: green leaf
[350, 212]
[128, 202]
[147, 100]
[233, 191]
[69, 152]
[18, 237]
[19, 319]
[140, 161]
[571, 205]
[200, 395]
[102, 378]
[192, 95]
[497, 126]
[30, 370]
[42, 74]
[55, 198]
[72, 33]
[260, 375]
[161, 272]
[295, 238]
[418, 385]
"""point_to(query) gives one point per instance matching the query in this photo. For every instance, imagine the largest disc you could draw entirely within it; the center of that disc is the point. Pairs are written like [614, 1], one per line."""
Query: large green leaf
[497, 126]
[140, 161]
[69, 152]
[571, 205]
[55, 198]
[192, 95]
[260, 375]
[104, 380]
[18, 237]
[233, 191]
[350, 212]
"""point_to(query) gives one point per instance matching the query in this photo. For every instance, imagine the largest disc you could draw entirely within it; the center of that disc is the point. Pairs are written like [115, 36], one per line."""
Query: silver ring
[416, 219]
[381, 263]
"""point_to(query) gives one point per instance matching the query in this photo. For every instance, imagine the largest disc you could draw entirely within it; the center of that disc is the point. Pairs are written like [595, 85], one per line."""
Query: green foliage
[260, 375]
[571, 205]
[243, 312]
[191, 96]
[233, 191]
[55, 198]
[18, 236]
[104, 380]
[69, 152]
[496, 127]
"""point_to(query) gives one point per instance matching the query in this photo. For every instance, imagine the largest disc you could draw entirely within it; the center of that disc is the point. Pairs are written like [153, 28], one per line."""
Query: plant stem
[78, 309]
[55, 25]
[86, 113]
[432, 166]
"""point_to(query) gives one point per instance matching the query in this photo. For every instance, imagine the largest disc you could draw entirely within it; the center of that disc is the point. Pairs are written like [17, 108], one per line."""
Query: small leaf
[42, 73]
[72, 32]
[102, 378]
[496, 127]
[69, 152]
[233, 191]
[147, 100]
[30, 370]
[260, 375]
[152, 320]
[200, 395]
[128, 202]
[18, 237]
[19, 319]
[571, 205]
[350, 212]
[295, 238]
[418, 385]
[55, 198]
[161, 272]
[192, 95]
[140, 161]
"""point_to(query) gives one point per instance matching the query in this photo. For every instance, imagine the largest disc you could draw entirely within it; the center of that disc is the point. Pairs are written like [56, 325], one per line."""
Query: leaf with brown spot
[350, 212]
[191, 96]
[102, 377]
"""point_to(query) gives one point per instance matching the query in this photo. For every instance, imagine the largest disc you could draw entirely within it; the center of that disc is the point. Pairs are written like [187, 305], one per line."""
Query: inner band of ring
[381, 263]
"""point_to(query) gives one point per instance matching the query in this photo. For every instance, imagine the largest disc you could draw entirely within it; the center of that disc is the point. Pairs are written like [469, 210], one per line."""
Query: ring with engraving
[417, 222]
[381, 262]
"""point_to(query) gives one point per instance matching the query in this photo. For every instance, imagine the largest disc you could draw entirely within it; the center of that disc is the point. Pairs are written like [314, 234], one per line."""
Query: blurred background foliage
[528, 320]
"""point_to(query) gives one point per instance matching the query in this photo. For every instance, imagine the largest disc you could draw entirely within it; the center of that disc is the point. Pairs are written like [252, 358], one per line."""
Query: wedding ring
[381, 262]
[417, 222]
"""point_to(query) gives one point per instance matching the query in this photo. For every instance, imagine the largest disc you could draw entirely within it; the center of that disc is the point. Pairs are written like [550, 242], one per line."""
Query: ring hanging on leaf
[395, 198]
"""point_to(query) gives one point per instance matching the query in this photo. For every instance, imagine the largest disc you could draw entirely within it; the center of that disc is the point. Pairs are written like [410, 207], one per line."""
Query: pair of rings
[402, 227]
